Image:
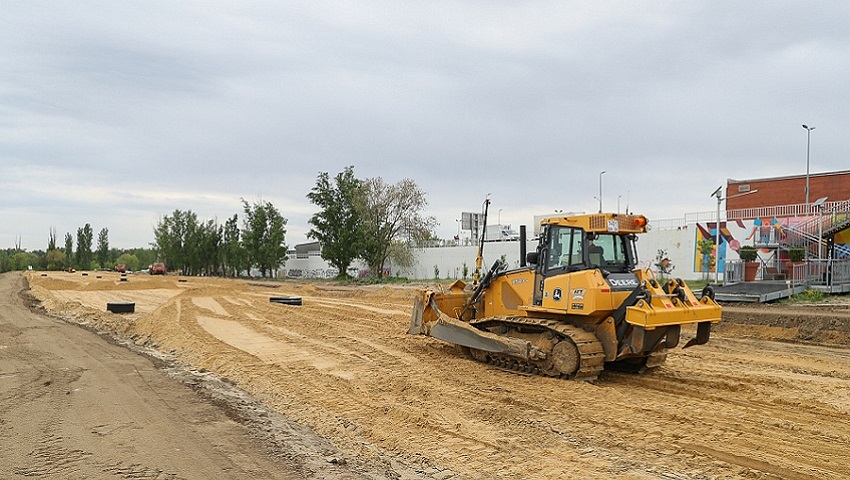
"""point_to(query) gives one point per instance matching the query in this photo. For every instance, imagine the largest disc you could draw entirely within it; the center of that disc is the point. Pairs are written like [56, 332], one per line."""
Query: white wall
[679, 242]
[680, 245]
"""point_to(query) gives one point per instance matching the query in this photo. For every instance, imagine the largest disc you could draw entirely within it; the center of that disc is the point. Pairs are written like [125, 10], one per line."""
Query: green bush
[797, 254]
[748, 253]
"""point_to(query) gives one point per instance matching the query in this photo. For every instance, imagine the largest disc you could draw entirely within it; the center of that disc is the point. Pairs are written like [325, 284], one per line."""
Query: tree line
[366, 219]
[193, 247]
[79, 255]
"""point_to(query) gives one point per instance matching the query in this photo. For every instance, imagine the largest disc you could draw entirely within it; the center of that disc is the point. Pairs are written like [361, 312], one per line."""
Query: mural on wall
[768, 234]
[707, 232]
[770, 231]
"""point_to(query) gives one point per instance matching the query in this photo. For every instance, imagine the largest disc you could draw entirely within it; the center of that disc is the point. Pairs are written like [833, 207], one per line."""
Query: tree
[336, 225]
[663, 264]
[146, 256]
[129, 260]
[51, 239]
[263, 236]
[55, 259]
[172, 238]
[705, 247]
[85, 236]
[103, 247]
[391, 221]
[233, 256]
[69, 250]
[23, 260]
[203, 246]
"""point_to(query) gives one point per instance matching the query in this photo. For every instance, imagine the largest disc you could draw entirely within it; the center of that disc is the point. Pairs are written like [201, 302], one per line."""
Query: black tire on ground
[43, 274]
[99, 276]
[85, 274]
[123, 279]
[286, 300]
[182, 280]
[121, 307]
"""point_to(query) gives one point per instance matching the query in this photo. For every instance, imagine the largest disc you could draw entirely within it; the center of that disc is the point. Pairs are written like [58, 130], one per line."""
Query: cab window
[564, 248]
[610, 252]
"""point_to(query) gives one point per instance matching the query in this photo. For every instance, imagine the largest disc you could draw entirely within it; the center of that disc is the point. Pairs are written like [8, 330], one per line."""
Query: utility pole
[808, 151]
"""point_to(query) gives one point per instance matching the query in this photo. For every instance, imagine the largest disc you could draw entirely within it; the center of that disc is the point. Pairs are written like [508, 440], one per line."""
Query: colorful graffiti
[708, 232]
[768, 234]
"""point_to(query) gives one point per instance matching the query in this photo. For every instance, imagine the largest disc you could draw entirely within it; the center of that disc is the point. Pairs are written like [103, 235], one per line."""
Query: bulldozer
[575, 307]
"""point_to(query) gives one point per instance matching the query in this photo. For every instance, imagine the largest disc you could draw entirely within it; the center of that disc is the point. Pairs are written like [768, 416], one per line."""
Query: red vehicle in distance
[157, 268]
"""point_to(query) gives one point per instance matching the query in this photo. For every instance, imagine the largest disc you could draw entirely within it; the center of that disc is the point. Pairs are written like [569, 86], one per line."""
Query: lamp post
[500, 217]
[717, 193]
[618, 203]
[808, 151]
[719, 196]
[600, 190]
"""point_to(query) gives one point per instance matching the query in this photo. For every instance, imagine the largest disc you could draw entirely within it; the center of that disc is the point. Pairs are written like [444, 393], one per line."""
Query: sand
[743, 406]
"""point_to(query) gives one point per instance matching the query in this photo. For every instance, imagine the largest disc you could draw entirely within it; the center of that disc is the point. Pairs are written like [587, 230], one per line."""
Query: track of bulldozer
[591, 358]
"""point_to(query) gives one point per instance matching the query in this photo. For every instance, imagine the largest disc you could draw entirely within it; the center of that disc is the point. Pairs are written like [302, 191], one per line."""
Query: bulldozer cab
[569, 249]
[572, 244]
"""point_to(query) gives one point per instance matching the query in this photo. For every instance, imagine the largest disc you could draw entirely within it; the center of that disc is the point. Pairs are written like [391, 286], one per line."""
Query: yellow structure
[578, 307]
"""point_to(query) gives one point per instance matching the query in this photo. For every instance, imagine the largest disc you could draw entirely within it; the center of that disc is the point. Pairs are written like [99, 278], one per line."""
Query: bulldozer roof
[602, 222]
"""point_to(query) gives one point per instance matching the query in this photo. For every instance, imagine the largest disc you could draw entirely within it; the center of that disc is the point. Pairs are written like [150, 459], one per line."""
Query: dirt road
[341, 364]
[75, 406]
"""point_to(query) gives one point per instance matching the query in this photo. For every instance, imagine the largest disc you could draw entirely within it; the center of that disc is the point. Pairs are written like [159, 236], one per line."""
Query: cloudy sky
[117, 113]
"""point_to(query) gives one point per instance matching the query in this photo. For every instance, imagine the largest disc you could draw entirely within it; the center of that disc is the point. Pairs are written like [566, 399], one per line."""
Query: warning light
[640, 221]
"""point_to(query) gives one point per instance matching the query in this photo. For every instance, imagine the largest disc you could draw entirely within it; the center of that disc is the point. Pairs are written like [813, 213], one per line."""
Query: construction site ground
[335, 388]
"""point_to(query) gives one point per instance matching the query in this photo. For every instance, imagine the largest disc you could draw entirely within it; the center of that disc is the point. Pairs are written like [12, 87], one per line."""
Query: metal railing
[683, 222]
[810, 234]
[793, 210]
[797, 274]
[827, 272]
[733, 272]
[824, 272]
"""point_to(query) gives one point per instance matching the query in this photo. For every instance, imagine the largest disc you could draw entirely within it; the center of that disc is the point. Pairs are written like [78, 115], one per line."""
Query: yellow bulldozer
[575, 306]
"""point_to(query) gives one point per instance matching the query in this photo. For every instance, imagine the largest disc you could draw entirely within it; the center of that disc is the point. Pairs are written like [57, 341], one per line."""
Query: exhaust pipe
[522, 246]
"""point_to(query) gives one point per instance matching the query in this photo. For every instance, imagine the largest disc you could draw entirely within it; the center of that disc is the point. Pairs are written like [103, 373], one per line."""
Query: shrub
[797, 254]
[748, 253]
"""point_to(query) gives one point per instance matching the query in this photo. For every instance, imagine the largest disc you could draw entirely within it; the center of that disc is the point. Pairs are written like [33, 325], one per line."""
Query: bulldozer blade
[703, 333]
[452, 330]
[416, 317]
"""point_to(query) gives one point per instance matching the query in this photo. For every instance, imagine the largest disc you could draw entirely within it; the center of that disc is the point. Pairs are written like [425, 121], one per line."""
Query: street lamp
[717, 193]
[719, 196]
[808, 151]
[618, 203]
[500, 217]
[600, 190]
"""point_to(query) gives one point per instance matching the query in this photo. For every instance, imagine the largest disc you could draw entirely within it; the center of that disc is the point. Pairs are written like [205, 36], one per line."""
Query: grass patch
[807, 296]
[698, 285]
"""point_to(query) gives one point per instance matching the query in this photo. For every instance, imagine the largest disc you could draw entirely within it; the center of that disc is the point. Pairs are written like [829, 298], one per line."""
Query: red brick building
[786, 191]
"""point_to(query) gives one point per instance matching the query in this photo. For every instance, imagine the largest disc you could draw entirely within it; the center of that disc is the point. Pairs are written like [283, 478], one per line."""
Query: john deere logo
[622, 281]
[556, 295]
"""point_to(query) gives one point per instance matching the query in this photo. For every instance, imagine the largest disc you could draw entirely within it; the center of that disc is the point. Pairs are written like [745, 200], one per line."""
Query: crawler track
[591, 355]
